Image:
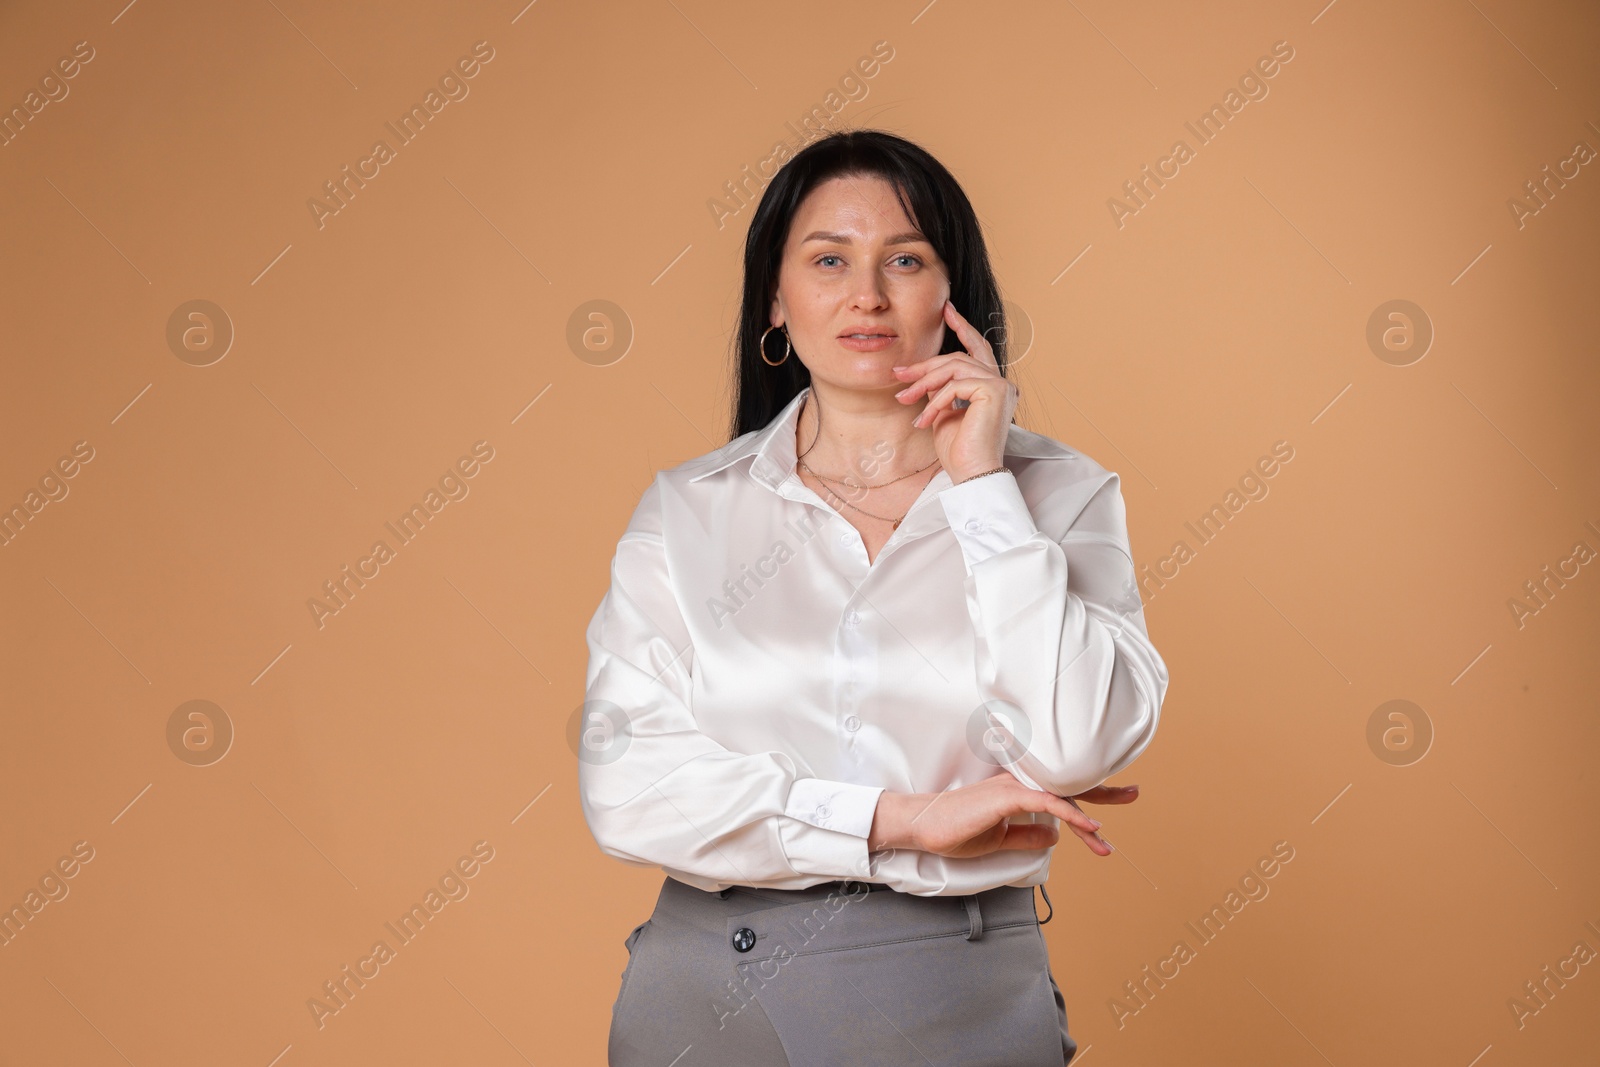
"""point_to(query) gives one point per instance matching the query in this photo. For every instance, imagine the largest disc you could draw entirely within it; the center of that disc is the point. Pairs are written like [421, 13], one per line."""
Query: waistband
[853, 885]
[910, 915]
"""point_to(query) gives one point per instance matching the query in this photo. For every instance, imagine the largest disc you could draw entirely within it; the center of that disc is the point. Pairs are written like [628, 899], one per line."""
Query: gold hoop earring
[762, 345]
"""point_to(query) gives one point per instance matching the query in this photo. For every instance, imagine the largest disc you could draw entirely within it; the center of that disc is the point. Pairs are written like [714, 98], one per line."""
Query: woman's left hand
[1103, 794]
[970, 440]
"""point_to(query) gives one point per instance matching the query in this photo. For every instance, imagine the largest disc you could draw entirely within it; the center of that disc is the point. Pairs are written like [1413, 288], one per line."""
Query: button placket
[847, 700]
[856, 677]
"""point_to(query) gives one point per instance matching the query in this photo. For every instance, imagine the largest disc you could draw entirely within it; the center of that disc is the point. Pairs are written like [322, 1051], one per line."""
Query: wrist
[891, 822]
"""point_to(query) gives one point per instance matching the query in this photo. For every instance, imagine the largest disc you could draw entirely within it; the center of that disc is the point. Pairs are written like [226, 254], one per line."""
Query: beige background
[369, 754]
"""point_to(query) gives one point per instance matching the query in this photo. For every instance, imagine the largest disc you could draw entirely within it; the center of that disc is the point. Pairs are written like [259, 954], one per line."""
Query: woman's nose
[870, 290]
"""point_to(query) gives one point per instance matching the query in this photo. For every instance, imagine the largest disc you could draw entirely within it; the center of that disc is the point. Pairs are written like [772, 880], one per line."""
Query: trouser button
[744, 939]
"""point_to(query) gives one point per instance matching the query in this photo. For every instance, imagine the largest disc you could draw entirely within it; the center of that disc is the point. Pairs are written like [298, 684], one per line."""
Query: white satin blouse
[754, 684]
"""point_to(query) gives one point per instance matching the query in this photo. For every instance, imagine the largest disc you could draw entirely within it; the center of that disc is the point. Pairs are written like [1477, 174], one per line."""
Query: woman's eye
[822, 261]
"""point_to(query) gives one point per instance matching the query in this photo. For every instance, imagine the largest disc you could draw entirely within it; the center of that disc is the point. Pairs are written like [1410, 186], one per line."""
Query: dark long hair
[932, 200]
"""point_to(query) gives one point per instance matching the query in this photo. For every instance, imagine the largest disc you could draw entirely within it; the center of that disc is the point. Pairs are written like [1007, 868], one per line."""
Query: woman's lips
[867, 344]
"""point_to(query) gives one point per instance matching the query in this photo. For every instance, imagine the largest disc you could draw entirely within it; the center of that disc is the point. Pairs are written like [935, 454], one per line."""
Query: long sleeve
[1058, 646]
[655, 789]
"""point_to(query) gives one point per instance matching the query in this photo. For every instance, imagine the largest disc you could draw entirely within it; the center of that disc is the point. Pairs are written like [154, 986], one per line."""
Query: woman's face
[854, 263]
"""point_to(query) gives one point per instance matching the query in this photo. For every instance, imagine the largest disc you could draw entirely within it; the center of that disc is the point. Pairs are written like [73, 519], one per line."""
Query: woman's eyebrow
[839, 238]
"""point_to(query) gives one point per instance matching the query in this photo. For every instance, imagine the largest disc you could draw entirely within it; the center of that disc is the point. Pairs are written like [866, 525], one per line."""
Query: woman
[855, 665]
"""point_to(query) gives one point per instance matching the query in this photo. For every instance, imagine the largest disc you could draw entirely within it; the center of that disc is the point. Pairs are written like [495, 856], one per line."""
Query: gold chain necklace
[807, 467]
[854, 485]
[895, 523]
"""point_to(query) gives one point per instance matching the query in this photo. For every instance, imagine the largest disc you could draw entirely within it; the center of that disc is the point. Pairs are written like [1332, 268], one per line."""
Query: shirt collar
[774, 452]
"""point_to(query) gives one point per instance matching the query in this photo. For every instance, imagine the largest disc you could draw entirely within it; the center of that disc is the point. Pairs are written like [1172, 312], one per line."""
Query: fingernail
[1096, 823]
[899, 368]
[904, 391]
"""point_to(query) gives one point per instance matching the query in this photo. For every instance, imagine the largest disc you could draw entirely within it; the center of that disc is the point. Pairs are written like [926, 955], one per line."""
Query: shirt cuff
[988, 516]
[828, 826]
[842, 806]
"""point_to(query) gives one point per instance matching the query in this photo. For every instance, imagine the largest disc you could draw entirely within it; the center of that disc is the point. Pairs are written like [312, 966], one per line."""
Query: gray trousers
[838, 974]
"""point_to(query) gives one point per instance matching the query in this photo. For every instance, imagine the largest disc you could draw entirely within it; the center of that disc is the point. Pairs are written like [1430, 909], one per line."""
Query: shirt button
[822, 811]
[974, 526]
[852, 723]
[744, 939]
[844, 539]
[852, 618]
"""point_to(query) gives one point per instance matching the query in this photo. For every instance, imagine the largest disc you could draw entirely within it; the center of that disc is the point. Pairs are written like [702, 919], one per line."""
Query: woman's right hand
[972, 820]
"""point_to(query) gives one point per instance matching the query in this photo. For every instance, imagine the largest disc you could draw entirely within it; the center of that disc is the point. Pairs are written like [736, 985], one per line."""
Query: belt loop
[1051, 914]
[974, 917]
